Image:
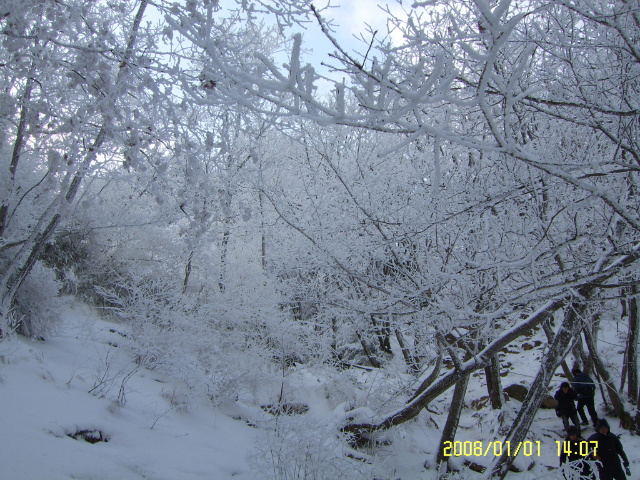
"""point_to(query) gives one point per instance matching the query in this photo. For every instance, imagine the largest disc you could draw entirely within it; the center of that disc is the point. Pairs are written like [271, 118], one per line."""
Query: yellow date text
[582, 448]
[495, 448]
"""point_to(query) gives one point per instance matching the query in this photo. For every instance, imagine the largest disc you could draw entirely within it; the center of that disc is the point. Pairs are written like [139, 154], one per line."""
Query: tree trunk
[626, 421]
[187, 273]
[451, 426]
[372, 359]
[632, 346]
[21, 136]
[263, 239]
[494, 383]
[434, 373]
[334, 339]
[382, 331]
[568, 330]
[549, 333]
[223, 259]
[23, 326]
[409, 359]
[623, 375]
[585, 360]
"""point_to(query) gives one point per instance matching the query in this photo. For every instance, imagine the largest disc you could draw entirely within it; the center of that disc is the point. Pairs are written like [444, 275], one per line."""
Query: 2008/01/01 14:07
[477, 448]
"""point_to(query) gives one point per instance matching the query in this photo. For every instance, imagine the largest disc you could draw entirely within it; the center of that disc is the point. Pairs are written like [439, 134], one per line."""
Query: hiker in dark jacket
[585, 389]
[566, 409]
[608, 451]
[574, 449]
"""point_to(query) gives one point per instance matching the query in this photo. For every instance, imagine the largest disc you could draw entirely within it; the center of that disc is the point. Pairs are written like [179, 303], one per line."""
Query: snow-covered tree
[74, 80]
[543, 96]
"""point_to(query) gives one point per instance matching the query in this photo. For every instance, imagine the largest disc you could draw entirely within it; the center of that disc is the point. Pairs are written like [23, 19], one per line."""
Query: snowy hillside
[71, 382]
[81, 383]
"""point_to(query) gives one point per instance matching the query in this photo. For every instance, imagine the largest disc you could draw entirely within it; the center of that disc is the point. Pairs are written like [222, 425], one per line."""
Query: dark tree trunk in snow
[549, 334]
[626, 421]
[372, 359]
[494, 384]
[410, 361]
[334, 340]
[263, 237]
[187, 273]
[585, 360]
[382, 331]
[632, 346]
[223, 259]
[451, 427]
[15, 282]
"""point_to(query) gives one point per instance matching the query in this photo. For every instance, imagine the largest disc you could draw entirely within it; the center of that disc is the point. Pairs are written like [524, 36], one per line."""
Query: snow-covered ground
[44, 397]
[81, 380]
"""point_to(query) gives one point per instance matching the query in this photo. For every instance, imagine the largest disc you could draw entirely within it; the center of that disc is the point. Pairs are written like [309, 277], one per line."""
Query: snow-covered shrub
[216, 349]
[38, 306]
[179, 400]
[84, 259]
[65, 254]
[297, 448]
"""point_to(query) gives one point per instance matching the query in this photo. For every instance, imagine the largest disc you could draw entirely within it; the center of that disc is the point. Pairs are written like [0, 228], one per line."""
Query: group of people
[603, 446]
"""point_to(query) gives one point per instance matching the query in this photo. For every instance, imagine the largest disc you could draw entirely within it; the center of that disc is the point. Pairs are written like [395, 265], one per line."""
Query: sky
[351, 20]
